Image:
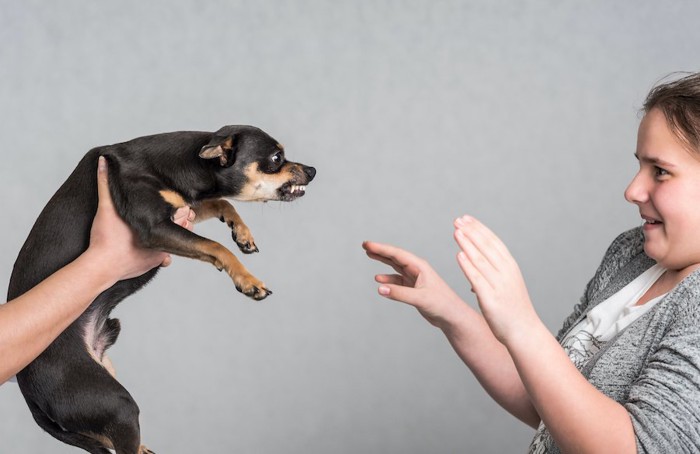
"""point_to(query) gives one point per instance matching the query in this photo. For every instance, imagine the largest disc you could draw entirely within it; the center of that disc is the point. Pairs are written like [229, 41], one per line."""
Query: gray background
[523, 114]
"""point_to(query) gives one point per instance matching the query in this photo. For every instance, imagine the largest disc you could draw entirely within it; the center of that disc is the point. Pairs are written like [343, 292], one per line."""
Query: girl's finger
[479, 284]
[390, 279]
[496, 242]
[381, 258]
[395, 254]
[483, 239]
[406, 269]
[399, 293]
[475, 258]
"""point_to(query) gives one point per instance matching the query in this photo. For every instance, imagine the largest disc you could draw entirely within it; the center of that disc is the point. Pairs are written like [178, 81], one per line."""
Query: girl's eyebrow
[653, 161]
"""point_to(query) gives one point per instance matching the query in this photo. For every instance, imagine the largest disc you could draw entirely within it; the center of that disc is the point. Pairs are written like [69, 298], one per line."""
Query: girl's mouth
[650, 223]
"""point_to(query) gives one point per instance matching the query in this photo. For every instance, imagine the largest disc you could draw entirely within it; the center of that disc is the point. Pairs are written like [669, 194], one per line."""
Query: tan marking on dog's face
[280, 146]
[262, 186]
[173, 198]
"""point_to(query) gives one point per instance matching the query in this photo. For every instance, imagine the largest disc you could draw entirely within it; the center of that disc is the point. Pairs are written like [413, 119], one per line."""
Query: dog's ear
[221, 147]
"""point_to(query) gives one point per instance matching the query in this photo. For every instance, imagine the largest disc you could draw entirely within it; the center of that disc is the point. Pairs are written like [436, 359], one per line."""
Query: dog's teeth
[296, 188]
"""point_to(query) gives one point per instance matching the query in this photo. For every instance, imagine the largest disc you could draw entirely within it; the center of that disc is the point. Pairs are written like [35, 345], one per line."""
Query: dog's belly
[97, 340]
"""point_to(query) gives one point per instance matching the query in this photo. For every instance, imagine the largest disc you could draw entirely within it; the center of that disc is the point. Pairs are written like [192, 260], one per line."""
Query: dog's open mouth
[291, 191]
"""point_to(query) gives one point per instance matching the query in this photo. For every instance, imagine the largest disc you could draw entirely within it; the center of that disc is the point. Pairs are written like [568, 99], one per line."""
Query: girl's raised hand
[415, 283]
[495, 279]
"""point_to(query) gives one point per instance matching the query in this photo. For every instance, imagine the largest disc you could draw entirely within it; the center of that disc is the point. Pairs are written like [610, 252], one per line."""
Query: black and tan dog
[69, 390]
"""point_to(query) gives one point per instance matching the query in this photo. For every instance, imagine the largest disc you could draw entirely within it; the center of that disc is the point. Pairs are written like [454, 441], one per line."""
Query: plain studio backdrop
[523, 114]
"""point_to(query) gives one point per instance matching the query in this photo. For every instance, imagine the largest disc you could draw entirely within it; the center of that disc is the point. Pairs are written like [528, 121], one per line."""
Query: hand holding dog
[114, 243]
[495, 279]
[38, 316]
[416, 284]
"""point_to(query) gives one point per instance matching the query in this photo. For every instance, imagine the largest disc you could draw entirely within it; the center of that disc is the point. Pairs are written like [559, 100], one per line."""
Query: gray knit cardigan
[653, 366]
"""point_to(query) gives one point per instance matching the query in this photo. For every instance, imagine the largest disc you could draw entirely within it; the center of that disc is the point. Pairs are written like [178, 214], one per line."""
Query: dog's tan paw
[240, 233]
[251, 287]
[244, 239]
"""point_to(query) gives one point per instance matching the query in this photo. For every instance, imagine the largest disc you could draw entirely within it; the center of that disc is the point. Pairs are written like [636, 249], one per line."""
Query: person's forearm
[33, 320]
[580, 418]
[490, 363]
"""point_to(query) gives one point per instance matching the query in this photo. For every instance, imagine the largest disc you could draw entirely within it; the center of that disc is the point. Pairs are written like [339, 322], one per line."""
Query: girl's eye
[659, 172]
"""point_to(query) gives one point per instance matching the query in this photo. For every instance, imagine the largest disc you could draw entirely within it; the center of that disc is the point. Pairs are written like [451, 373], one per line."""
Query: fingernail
[383, 290]
[459, 221]
[101, 164]
[462, 256]
[467, 218]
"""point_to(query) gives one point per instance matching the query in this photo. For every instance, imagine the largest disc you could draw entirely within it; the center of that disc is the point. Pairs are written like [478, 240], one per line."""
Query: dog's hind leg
[121, 428]
[90, 444]
[84, 406]
[125, 433]
[225, 212]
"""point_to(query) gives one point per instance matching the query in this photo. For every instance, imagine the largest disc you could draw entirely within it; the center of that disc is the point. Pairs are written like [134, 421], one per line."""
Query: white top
[610, 317]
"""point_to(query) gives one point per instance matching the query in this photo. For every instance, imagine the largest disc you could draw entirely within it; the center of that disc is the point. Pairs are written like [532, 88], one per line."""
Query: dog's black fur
[70, 392]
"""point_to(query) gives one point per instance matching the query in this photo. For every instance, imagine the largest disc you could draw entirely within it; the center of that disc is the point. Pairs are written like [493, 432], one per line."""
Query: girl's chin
[651, 250]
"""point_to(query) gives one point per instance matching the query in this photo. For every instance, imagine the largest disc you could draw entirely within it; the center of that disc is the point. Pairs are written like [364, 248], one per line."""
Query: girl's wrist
[527, 337]
[457, 318]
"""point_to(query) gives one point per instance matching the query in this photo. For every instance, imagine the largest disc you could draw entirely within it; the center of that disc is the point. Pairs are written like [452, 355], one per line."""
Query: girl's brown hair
[679, 100]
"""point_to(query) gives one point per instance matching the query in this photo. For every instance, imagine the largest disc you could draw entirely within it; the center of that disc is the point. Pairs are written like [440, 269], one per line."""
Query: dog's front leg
[172, 238]
[225, 212]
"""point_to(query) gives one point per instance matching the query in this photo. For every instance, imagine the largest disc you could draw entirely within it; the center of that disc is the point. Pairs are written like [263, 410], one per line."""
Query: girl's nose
[636, 191]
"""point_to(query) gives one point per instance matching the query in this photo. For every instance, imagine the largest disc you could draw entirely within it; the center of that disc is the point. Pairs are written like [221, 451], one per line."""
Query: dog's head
[252, 166]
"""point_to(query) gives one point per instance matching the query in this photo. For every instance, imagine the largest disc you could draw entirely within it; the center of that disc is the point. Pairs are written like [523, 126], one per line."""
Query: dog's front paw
[244, 239]
[252, 287]
[245, 244]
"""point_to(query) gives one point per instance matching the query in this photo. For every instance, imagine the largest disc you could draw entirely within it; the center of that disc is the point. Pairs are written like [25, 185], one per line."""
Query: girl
[623, 373]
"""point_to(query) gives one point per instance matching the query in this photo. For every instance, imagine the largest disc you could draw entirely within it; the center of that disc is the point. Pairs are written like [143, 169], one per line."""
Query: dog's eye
[277, 158]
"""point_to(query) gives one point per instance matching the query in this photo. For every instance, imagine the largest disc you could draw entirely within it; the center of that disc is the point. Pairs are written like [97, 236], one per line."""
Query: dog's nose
[310, 172]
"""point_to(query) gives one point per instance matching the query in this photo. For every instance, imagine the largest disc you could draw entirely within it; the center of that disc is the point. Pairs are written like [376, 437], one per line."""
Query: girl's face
[667, 191]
